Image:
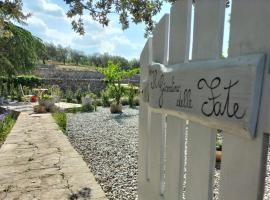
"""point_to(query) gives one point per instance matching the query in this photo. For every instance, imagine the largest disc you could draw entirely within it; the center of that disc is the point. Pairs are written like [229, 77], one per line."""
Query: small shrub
[69, 96]
[124, 101]
[105, 99]
[87, 108]
[79, 95]
[6, 124]
[61, 120]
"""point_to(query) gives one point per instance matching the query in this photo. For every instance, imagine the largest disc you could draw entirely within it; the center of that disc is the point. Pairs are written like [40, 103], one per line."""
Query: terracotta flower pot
[218, 156]
[39, 109]
[116, 108]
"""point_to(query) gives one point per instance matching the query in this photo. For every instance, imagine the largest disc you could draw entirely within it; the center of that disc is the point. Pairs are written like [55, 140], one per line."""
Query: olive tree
[114, 76]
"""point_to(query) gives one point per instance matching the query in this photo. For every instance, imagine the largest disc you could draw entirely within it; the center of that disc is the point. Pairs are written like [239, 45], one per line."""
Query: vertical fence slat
[243, 160]
[175, 134]
[208, 32]
[145, 60]
[157, 123]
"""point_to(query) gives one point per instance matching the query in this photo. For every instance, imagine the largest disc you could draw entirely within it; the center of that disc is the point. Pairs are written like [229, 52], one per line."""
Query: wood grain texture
[244, 161]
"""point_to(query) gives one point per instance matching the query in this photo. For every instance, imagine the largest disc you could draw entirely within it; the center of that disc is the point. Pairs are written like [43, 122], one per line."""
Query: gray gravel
[108, 143]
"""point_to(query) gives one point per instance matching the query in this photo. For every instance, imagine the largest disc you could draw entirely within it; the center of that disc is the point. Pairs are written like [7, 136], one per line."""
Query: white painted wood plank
[180, 32]
[201, 140]
[175, 148]
[143, 161]
[155, 159]
[155, 184]
[200, 161]
[244, 161]
[175, 133]
[218, 93]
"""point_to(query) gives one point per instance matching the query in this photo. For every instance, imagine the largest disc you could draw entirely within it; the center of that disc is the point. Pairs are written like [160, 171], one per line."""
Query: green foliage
[6, 126]
[87, 108]
[131, 94]
[11, 11]
[79, 94]
[219, 141]
[127, 11]
[105, 99]
[46, 97]
[61, 120]
[113, 77]
[9, 85]
[18, 53]
[94, 99]
[19, 49]
[135, 11]
[69, 95]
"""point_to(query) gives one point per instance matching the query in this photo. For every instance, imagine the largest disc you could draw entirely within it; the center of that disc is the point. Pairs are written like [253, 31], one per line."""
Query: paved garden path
[38, 162]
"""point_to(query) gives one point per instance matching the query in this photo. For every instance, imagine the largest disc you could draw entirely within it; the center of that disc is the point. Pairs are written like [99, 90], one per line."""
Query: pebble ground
[108, 143]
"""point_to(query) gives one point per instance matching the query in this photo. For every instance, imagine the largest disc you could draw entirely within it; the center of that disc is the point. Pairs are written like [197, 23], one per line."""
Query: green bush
[105, 99]
[6, 126]
[79, 94]
[24, 80]
[114, 75]
[61, 120]
[87, 108]
[69, 96]
[124, 101]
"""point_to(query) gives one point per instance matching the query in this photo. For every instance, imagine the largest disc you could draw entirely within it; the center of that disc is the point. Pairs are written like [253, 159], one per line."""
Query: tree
[76, 56]
[62, 53]
[19, 52]
[136, 11]
[134, 63]
[51, 51]
[10, 11]
[114, 75]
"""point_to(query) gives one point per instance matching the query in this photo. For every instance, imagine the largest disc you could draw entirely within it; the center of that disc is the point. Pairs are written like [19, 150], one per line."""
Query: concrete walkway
[38, 162]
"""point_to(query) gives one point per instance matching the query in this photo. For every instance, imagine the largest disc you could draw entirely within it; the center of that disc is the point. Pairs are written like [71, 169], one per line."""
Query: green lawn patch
[61, 120]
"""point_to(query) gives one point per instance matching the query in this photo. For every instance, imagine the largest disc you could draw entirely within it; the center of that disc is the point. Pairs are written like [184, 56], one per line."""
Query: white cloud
[50, 23]
[45, 7]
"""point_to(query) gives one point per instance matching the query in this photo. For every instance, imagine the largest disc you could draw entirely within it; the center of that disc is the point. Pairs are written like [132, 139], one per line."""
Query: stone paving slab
[38, 162]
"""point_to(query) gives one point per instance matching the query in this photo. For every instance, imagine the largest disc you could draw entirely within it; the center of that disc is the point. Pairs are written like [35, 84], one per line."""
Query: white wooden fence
[231, 94]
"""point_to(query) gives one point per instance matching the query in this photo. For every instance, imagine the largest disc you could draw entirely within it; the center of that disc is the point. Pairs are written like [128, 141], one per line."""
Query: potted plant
[114, 75]
[47, 101]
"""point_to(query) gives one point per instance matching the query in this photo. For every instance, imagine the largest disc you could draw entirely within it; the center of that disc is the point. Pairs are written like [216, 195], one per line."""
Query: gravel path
[109, 143]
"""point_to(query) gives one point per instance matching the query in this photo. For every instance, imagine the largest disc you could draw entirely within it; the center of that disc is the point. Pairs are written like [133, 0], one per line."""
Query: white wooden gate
[174, 90]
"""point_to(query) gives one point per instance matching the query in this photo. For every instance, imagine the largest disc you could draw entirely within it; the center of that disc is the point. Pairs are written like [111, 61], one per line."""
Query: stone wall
[93, 85]
[84, 80]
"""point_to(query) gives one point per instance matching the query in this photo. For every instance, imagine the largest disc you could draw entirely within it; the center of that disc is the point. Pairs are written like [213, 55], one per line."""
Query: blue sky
[49, 22]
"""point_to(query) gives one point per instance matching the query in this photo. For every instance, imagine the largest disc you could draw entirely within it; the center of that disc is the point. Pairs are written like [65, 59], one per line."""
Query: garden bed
[7, 121]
